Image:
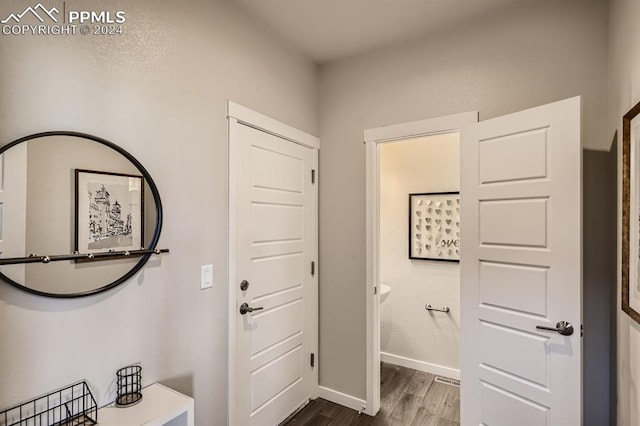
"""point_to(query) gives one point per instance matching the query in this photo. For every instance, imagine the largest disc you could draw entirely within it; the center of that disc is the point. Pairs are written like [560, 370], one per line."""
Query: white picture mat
[434, 226]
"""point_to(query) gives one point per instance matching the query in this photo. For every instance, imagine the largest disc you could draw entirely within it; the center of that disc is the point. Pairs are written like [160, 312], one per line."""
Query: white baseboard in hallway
[341, 398]
[435, 369]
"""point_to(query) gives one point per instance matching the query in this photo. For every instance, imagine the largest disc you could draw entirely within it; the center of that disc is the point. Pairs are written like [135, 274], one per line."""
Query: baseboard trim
[427, 367]
[342, 398]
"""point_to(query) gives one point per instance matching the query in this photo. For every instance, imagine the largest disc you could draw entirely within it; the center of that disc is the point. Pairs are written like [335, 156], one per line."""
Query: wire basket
[73, 405]
[129, 385]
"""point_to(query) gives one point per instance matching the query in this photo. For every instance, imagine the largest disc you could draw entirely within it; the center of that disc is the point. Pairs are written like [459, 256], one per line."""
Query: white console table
[159, 406]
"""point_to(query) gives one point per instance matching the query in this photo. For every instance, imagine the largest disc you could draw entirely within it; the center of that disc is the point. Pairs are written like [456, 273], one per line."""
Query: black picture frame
[630, 258]
[434, 226]
[109, 212]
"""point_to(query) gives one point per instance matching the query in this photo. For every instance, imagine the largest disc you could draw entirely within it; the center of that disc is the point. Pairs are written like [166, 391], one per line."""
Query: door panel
[518, 354]
[277, 273]
[515, 157]
[521, 267]
[275, 248]
[271, 410]
[275, 325]
[527, 226]
[275, 170]
[514, 287]
[276, 376]
[276, 350]
[505, 408]
[275, 222]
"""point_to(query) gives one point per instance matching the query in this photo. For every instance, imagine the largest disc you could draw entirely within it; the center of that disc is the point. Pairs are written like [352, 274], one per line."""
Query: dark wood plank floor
[407, 398]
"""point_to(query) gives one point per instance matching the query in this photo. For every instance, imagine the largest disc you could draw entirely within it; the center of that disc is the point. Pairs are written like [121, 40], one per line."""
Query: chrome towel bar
[430, 308]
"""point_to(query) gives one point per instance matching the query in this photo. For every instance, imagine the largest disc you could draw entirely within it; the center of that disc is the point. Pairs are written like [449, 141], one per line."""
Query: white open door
[521, 268]
[273, 277]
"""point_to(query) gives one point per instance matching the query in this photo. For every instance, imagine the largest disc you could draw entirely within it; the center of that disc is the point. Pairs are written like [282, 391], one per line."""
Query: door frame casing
[373, 138]
[240, 115]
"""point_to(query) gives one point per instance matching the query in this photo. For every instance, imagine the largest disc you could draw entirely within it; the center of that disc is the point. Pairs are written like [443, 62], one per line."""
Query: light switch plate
[206, 276]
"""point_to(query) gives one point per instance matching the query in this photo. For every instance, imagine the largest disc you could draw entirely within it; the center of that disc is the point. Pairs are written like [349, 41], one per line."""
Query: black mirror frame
[156, 197]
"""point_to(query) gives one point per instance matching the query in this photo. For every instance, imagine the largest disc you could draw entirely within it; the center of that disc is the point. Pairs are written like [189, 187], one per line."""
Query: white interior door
[13, 208]
[275, 201]
[521, 268]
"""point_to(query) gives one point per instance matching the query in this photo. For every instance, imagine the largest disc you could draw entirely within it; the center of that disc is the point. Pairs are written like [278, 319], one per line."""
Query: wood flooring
[407, 398]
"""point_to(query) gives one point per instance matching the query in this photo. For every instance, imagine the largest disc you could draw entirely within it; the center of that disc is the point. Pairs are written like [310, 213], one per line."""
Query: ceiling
[326, 30]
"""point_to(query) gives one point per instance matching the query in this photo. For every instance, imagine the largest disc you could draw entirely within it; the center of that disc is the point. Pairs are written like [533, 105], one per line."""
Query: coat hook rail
[430, 308]
[34, 258]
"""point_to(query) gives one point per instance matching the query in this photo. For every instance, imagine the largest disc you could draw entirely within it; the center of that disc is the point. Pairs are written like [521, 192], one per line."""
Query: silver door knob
[244, 308]
[563, 327]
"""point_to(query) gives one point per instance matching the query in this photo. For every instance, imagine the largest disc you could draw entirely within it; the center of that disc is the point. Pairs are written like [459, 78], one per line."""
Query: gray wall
[527, 55]
[624, 93]
[160, 92]
[599, 301]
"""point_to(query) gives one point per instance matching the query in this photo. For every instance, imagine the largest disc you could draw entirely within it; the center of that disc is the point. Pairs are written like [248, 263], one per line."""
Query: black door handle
[244, 308]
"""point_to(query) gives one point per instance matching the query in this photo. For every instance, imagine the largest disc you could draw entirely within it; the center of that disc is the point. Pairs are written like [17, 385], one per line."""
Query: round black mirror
[78, 214]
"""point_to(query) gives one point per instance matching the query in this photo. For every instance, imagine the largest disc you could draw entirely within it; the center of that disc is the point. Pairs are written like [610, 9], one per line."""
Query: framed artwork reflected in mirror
[109, 211]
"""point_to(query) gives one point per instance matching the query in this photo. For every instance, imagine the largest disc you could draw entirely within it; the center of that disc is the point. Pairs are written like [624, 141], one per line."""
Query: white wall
[160, 92]
[530, 54]
[624, 93]
[407, 330]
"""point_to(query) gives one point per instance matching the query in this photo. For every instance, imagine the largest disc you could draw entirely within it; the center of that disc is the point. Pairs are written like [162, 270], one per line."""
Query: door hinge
[581, 330]
[313, 269]
[313, 176]
[313, 359]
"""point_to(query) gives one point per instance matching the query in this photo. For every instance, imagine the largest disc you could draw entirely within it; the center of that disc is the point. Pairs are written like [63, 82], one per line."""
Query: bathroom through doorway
[413, 309]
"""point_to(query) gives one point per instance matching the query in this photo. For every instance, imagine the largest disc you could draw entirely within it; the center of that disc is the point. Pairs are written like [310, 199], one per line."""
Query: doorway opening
[521, 272]
[420, 284]
[414, 279]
